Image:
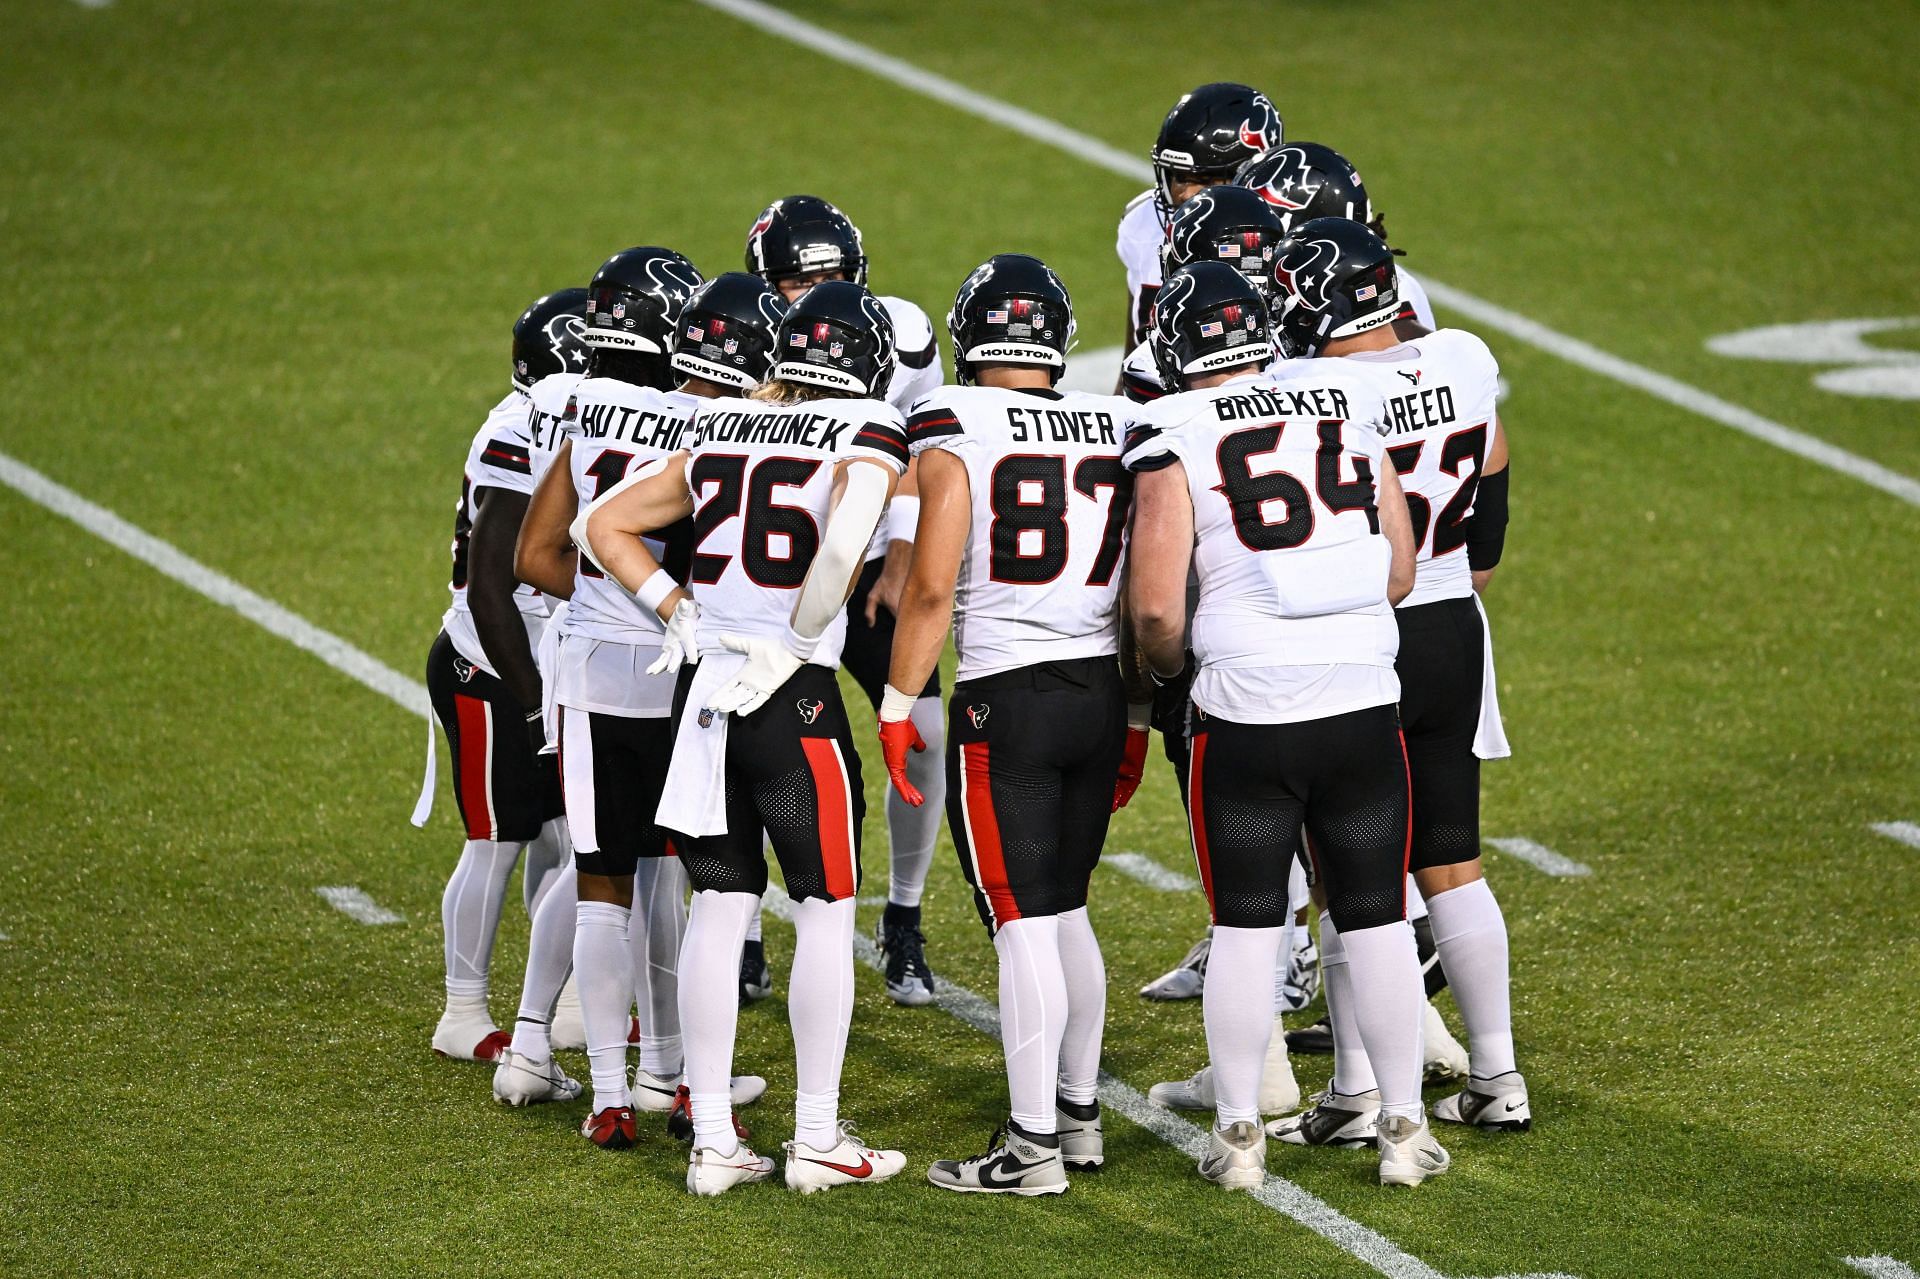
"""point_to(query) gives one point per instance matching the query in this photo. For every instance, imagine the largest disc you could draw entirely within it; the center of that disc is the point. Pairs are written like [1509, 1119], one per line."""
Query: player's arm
[1397, 525]
[544, 555]
[903, 517]
[1159, 554]
[925, 611]
[1487, 526]
[498, 513]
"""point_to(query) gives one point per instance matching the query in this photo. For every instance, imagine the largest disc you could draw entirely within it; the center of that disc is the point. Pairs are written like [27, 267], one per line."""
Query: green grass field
[260, 260]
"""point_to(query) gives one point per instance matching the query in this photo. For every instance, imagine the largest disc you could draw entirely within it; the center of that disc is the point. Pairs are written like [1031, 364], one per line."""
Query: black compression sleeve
[1487, 526]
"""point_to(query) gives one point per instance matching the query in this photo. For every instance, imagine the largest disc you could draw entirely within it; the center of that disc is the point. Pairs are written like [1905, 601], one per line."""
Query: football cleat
[518, 1081]
[1082, 1143]
[1408, 1153]
[1446, 1059]
[1498, 1104]
[469, 1039]
[909, 980]
[1186, 979]
[711, 1173]
[611, 1129]
[657, 1093]
[568, 1028]
[1332, 1120]
[756, 979]
[850, 1163]
[1279, 1091]
[633, 1033]
[1236, 1158]
[1302, 983]
[1012, 1165]
[1314, 1039]
[680, 1115]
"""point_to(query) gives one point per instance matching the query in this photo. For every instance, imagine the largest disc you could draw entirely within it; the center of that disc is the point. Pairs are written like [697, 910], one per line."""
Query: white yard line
[1907, 833]
[356, 905]
[1134, 166]
[1150, 872]
[1881, 1267]
[1540, 857]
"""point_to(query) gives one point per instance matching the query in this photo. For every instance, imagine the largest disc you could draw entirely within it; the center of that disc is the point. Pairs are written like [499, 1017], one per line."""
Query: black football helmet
[1335, 278]
[1227, 224]
[1012, 310]
[726, 330]
[635, 300]
[836, 336]
[547, 337]
[1304, 181]
[801, 234]
[1208, 317]
[1210, 133]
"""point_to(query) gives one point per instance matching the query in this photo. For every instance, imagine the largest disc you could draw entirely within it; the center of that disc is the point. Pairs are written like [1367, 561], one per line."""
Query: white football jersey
[1439, 425]
[500, 456]
[1293, 621]
[761, 476]
[1413, 297]
[916, 375]
[1040, 578]
[1142, 233]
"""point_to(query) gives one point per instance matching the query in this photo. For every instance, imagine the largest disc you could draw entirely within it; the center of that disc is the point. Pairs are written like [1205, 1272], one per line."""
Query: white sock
[1298, 892]
[658, 929]
[604, 974]
[1085, 971]
[1388, 1002]
[911, 831]
[1416, 901]
[1352, 1072]
[549, 961]
[753, 927]
[469, 918]
[820, 1010]
[1283, 966]
[549, 856]
[1471, 935]
[710, 1010]
[1238, 1008]
[1033, 1016]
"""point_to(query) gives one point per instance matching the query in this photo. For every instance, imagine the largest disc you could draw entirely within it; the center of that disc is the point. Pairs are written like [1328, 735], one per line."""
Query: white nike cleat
[469, 1038]
[1012, 1165]
[1279, 1090]
[655, 1093]
[1185, 980]
[568, 1028]
[1498, 1104]
[850, 1163]
[519, 1081]
[1302, 983]
[1408, 1153]
[1332, 1120]
[744, 1090]
[711, 1173]
[1083, 1145]
[1237, 1157]
[1194, 1093]
[1446, 1059]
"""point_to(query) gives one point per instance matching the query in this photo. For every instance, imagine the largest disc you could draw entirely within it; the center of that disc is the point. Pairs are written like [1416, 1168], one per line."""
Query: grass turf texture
[261, 263]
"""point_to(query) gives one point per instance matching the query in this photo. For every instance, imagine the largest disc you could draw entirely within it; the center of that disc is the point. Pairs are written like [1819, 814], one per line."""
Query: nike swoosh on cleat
[1514, 1105]
[1007, 1164]
[865, 1168]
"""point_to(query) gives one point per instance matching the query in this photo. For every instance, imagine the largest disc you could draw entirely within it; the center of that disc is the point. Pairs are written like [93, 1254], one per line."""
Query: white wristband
[654, 591]
[801, 646]
[895, 705]
[903, 518]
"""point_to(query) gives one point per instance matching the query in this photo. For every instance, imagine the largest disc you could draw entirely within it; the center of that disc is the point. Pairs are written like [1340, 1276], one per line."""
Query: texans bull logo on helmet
[566, 337]
[1292, 185]
[1306, 272]
[1262, 129]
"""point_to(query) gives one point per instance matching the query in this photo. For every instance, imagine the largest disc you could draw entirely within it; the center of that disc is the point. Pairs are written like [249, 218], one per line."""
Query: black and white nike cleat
[1013, 1164]
[756, 979]
[1311, 1040]
[1083, 1145]
[1408, 1153]
[1498, 1104]
[904, 946]
[1332, 1120]
[1187, 978]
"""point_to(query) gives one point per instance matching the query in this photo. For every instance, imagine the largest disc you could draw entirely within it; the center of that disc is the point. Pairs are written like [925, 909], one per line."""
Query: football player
[796, 243]
[1445, 441]
[1204, 139]
[481, 677]
[1023, 499]
[1273, 487]
[612, 729]
[785, 490]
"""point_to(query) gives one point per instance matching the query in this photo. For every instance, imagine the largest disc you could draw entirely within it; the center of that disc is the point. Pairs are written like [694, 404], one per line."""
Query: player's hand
[769, 665]
[682, 641]
[1133, 763]
[892, 582]
[897, 737]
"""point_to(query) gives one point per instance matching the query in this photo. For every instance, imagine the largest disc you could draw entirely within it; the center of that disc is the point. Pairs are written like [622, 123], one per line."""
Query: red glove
[1133, 764]
[897, 737]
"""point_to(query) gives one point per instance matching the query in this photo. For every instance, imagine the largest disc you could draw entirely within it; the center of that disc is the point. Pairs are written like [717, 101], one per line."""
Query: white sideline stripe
[356, 905]
[1907, 833]
[1277, 1193]
[1541, 857]
[1514, 325]
[216, 586]
[1150, 872]
[1882, 1267]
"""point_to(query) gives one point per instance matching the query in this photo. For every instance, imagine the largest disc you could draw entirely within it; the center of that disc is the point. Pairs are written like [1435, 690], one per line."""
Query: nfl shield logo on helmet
[835, 349]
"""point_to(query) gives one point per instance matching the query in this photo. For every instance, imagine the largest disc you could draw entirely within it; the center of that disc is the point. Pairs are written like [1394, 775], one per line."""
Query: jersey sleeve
[1140, 377]
[916, 354]
[1154, 442]
[879, 436]
[1413, 299]
[502, 453]
[933, 423]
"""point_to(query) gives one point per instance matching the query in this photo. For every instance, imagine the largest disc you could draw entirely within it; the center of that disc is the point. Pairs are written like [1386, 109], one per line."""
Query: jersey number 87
[1045, 477]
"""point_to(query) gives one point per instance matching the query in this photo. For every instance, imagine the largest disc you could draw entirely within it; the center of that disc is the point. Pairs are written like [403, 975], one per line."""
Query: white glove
[681, 641]
[770, 664]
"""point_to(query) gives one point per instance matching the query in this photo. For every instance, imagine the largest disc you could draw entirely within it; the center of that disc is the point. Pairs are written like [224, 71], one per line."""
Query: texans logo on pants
[978, 714]
[810, 709]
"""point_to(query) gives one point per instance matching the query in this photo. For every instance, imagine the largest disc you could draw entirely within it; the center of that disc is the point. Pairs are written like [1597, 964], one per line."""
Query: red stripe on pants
[1197, 817]
[475, 748]
[833, 807]
[983, 832]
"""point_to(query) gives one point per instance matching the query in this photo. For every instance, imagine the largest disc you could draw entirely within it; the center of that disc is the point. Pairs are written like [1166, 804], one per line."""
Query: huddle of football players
[704, 496]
